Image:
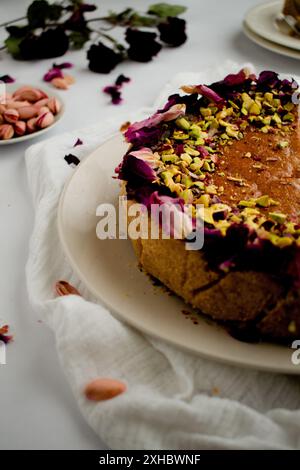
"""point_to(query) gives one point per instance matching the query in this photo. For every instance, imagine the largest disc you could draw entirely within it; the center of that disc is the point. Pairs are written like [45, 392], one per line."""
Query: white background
[37, 410]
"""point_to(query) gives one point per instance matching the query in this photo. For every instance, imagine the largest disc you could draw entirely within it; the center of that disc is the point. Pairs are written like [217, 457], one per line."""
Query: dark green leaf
[139, 20]
[162, 10]
[12, 44]
[79, 38]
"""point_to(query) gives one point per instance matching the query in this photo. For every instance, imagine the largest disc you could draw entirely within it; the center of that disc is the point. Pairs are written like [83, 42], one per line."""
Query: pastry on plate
[232, 148]
[292, 8]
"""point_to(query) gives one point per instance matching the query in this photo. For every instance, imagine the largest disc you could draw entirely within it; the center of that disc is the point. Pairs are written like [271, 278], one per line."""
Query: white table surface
[37, 409]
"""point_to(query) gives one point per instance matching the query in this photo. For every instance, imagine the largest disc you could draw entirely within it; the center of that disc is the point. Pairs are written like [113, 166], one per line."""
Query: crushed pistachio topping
[190, 152]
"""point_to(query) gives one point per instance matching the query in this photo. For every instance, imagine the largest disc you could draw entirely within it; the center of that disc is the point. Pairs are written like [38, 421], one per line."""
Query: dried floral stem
[7, 23]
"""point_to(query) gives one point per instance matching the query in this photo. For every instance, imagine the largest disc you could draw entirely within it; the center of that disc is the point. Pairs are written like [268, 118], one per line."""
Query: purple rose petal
[7, 79]
[51, 74]
[63, 65]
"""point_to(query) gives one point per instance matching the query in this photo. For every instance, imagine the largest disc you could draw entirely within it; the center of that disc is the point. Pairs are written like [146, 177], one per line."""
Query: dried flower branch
[51, 29]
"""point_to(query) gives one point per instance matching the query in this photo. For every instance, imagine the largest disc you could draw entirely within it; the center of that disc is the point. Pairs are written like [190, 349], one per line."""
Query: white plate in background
[261, 20]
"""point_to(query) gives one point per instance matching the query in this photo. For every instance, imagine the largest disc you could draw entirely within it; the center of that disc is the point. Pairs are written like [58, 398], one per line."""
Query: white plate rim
[11, 87]
[290, 369]
[274, 35]
[269, 45]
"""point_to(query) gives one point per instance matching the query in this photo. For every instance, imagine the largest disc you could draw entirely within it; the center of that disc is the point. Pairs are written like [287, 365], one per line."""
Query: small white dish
[110, 271]
[11, 87]
[270, 46]
[261, 20]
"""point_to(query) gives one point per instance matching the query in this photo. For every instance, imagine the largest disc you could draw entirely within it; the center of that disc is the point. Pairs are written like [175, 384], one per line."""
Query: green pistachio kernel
[205, 112]
[281, 242]
[276, 118]
[191, 151]
[199, 142]
[255, 109]
[269, 97]
[179, 135]
[247, 101]
[289, 106]
[232, 132]
[211, 189]
[247, 203]
[265, 129]
[195, 131]
[187, 181]
[278, 217]
[183, 123]
[276, 103]
[197, 160]
[196, 167]
[289, 117]
[267, 120]
[208, 216]
[238, 181]
[169, 158]
[186, 158]
[200, 185]
[244, 125]
[187, 196]
[265, 201]
[206, 166]
[234, 105]
[283, 144]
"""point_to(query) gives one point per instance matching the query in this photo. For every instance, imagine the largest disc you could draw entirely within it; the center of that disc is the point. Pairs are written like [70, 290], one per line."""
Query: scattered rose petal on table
[115, 90]
[4, 337]
[72, 159]
[7, 79]
[78, 142]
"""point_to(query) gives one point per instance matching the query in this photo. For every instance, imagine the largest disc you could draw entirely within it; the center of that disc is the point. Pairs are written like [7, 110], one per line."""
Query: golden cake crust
[245, 297]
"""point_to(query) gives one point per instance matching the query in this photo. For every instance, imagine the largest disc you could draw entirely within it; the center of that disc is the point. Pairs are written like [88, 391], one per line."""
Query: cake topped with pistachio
[232, 146]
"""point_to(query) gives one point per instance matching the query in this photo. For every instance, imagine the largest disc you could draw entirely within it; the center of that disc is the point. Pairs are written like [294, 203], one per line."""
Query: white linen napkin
[174, 400]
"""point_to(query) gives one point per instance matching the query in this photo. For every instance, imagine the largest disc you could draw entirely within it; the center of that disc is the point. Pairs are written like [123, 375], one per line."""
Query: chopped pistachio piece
[278, 217]
[283, 144]
[266, 201]
[183, 123]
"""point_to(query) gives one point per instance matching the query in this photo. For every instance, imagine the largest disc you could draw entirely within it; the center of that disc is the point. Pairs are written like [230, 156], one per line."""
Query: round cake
[232, 148]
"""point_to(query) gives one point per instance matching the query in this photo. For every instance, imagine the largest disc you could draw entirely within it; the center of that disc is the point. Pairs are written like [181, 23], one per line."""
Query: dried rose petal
[72, 159]
[114, 92]
[4, 337]
[52, 73]
[121, 80]
[78, 142]
[7, 79]
[63, 65]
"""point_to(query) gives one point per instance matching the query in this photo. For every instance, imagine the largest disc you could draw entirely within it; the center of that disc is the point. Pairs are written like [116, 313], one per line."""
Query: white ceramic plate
[262, 21]
[109, 270]
[49, 90]
[271, 46]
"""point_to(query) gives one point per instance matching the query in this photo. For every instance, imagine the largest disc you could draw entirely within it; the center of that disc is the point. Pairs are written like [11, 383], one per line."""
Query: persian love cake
[292, 8]
[234, 147]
